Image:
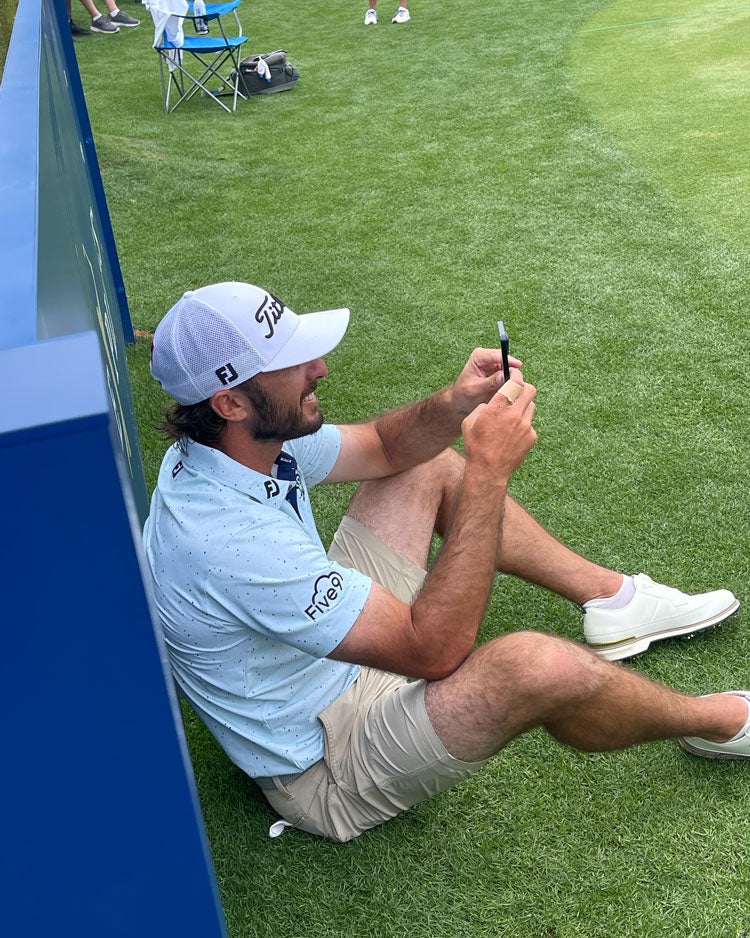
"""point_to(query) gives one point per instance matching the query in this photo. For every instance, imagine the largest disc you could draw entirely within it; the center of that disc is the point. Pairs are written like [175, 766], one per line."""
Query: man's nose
[317, 369]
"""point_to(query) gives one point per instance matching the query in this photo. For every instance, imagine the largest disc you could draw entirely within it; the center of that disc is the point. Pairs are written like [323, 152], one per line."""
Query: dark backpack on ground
[283, 74]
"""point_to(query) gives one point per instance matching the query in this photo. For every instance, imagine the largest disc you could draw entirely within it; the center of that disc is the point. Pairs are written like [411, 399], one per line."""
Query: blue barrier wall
[103, 835]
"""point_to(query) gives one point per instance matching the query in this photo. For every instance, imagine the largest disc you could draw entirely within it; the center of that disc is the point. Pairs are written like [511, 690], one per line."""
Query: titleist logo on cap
[270, 311]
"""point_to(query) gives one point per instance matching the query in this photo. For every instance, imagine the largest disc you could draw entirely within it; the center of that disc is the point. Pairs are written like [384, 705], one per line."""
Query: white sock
[620, 599]
[114, 12]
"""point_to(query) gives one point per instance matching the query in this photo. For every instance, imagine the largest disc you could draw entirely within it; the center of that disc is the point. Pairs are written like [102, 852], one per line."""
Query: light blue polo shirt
[249, 602]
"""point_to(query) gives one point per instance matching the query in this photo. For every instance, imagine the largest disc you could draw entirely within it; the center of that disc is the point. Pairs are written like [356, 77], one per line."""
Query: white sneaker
[371, 18]
[402, 16]
[736, 749]
[654, 612]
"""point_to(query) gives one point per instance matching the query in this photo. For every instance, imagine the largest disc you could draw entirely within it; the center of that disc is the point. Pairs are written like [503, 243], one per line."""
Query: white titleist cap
[225, 333]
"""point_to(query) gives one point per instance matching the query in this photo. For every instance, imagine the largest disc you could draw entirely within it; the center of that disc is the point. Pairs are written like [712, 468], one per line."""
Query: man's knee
[422, 495]
[540, 666]
[508, 686]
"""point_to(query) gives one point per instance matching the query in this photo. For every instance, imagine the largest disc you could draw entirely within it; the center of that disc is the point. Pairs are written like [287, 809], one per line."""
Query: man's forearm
[407, 436]
[434, 635]
[415, 433]
[448, 611]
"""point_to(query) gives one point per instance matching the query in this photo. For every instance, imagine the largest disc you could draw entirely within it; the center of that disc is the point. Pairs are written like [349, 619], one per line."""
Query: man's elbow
[442, 663]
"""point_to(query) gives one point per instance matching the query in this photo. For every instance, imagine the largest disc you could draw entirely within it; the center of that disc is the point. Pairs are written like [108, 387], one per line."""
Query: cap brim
[316, 335]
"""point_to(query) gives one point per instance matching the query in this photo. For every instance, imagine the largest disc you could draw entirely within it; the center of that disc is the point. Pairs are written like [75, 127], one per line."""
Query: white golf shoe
[371, 18]
[655, 612]
[402, 16]
[737, 748]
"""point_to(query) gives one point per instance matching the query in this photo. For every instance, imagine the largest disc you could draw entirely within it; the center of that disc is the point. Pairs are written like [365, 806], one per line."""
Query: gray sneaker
[735, 749]
[102, 24]
[76, 30]
[122, 19]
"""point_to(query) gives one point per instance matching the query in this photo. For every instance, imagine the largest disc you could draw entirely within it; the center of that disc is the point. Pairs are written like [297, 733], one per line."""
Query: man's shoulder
[316, 453]
[325, 435]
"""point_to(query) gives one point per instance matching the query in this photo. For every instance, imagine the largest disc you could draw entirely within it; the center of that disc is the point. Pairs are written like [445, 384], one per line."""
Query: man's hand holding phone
[486, 371]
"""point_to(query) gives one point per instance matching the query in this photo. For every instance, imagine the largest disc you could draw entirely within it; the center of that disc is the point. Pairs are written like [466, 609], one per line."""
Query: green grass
[7, 14]
[673, 72]
[515, 162]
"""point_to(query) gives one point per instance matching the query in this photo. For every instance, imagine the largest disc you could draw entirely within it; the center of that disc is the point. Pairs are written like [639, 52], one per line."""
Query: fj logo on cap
[226, 374]
[269, 311]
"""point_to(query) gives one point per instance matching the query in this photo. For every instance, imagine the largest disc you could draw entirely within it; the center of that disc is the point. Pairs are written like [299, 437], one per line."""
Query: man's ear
[230, 405]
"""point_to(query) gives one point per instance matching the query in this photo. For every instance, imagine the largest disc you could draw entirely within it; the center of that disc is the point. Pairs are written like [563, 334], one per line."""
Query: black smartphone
[504, 348]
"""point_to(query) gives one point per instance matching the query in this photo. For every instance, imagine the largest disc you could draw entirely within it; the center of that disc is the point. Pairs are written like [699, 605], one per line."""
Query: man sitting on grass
[298, 661]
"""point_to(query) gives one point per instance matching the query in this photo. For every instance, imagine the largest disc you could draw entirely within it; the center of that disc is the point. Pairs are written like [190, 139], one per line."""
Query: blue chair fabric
[197, 64]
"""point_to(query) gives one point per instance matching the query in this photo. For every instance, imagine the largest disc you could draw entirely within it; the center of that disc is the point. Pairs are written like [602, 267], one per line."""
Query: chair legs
[188, 84]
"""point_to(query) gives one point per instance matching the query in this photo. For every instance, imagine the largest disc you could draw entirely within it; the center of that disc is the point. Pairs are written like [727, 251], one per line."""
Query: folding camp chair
[190, 63]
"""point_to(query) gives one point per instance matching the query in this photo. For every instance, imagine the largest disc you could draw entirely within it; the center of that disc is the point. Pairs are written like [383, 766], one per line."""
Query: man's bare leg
[527, 679]
[404, 510]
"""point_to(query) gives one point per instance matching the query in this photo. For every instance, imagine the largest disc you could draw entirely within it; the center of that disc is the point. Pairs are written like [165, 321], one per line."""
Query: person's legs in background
[109, 22]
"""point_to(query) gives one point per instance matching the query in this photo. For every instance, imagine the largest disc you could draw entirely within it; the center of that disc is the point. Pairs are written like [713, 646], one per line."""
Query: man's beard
[273, 420]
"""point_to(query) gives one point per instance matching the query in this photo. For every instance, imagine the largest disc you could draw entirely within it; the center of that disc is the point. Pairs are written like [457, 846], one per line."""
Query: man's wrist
[458, 403]
[484, 480]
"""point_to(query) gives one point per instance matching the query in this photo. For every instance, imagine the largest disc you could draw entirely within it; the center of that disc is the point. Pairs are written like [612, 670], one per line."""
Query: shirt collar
[211, 462]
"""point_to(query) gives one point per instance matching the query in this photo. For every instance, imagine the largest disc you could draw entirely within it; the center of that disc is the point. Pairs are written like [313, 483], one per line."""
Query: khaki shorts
[382, 755]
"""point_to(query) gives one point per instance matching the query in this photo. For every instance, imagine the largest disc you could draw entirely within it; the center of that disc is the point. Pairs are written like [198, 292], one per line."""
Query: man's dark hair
[198, 422]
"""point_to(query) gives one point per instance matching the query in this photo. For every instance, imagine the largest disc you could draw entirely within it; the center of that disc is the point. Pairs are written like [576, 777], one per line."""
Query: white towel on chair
[166, 15]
